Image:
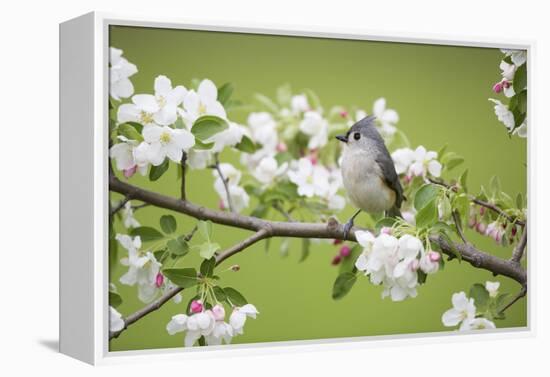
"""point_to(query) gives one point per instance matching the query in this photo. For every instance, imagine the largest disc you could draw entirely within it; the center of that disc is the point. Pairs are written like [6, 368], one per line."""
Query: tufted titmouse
[368, 172]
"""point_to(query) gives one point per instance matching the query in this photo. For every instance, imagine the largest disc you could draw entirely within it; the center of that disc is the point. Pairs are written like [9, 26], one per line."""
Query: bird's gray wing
[384, 160]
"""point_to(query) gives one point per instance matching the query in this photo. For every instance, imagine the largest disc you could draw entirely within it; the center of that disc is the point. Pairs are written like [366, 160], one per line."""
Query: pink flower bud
[481, 227]
[281, 147]
[159, 280]
[497, 88]
[219, 312]
[337, 242]
[481, 210]
[386, 230]
[345, 251]
[506, 84]
[129, 172]
[196, 306]
[221, 205]
[336, 260]
[433, 256]
[407, 179]
[514, 231]
[313, 160]
[344, 114]
[472, 221]
[414, 265]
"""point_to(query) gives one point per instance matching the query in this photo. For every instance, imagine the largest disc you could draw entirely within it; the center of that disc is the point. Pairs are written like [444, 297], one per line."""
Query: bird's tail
[394, 212]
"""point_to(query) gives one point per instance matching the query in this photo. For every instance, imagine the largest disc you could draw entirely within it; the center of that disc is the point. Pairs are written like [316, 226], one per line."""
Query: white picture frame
[84, 312]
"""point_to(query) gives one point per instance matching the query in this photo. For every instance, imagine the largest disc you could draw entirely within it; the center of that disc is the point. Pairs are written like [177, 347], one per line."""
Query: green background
[441, 95]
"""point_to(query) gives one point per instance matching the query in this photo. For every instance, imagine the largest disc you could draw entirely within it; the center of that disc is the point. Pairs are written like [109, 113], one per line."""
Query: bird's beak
[342, 138]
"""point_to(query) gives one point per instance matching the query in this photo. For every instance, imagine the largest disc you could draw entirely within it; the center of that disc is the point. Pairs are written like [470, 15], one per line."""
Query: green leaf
[519, 117]
[495, 186]
[422, 276]
[306, 242]
[464, 180]
[182, 277]
[147, 233]
[224, 92]
[384, 222]
[312, 99]
[178, 247]
[168, 224]
[129, 131]
[348, 263]
[462, 204]
[260, 211]
[519, 200]
[219, 293]
[520, 78]
[284, 95]
[521, 100]
[207, 267]
[207, 249]
[444, 207]
[247, 145]
[205, 229]
[425, 195]
[207, 126]
[266, 103]
[343, 284]
[201, 146]
[114, 299]
[427, 216]
[480, 296]
[234, 297]
[157, 171]
[453, 162]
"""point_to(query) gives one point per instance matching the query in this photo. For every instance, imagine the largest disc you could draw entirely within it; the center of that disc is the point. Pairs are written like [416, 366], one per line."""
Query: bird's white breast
[364, 182]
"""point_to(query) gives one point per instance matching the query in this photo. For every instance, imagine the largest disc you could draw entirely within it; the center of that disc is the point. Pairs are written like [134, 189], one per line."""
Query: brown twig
[456, 219]
[120, 205]
[482, 203]
[521, 294]
[224, 180]
[520, 247]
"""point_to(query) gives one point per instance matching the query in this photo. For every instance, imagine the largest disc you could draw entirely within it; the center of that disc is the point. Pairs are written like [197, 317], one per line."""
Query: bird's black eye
[357, 136]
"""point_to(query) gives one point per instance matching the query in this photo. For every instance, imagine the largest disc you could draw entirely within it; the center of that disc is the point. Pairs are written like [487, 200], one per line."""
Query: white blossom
[120, 71]
[268, 170]
[239, 315]
[165, 142]
[386, 118]
[228, 137]
[402, 159]
[128, 215]
[264, 130]
[463, 309]
[425, 162]
[310, 179]
[160, 108]
[492, 287]
[142, 267]
[299, 103]
[116, 323]
[316, 127]
[124, 154]
[504, 115]
[202, 102]
[476, 324]
[519, 57]
[429, 262]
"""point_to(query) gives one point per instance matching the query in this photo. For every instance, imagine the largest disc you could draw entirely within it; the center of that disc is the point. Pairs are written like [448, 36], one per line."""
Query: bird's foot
[347, 228]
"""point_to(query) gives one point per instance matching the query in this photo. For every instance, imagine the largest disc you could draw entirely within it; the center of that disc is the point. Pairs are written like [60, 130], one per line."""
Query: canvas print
[267, 188]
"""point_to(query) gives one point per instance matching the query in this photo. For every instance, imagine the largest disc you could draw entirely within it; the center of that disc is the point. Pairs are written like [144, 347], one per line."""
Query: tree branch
[521, 294]
[482, 203]
[155, 305]
[520, 247]
[332, 229]
[120, 205]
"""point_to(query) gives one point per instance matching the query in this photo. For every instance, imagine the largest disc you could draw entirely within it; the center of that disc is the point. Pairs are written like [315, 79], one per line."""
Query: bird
[368, 172]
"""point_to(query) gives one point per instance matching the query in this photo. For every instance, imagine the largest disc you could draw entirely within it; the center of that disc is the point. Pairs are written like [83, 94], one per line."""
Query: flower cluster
[464, 312]
[143, 270]
[515, 89]
[395, 263]
[120, 71]
[416, 163]
[210, 323]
